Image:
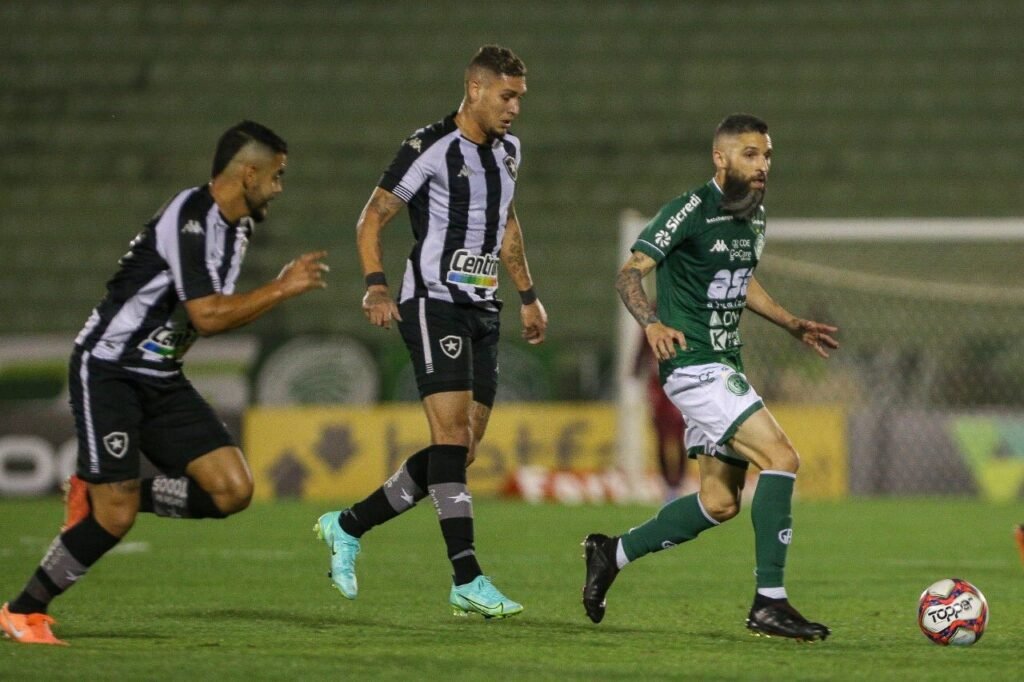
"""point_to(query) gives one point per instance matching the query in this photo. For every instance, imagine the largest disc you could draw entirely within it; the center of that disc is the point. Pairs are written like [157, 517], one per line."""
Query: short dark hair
[737, 124]
[238, 136]
[499, 60]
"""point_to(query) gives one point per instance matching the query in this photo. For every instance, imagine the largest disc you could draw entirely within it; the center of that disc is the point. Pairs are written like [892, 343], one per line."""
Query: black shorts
[119, 413]
[453, 347]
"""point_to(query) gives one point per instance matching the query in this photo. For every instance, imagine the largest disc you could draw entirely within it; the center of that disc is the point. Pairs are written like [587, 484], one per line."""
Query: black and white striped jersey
[458, 193]
[188, 250]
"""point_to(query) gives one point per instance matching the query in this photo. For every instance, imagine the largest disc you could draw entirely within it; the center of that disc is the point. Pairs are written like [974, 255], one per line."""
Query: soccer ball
[952, 611]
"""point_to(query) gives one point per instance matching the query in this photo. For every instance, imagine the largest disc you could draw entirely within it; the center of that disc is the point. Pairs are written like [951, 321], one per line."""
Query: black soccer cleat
[776, 618]
[599, 553]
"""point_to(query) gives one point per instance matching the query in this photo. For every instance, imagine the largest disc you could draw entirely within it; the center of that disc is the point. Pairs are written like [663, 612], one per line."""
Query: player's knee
[115, 518]
[785, 458]
[232, 491]
[720, 506]
[723, 510]
[237, 496]
[457, 433]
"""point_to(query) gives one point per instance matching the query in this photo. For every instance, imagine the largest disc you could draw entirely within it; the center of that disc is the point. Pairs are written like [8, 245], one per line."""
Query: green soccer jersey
[705, 259]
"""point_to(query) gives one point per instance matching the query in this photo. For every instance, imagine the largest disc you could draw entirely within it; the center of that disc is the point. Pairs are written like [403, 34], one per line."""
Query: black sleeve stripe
[510, 148]
[186, 247]
[413, 149]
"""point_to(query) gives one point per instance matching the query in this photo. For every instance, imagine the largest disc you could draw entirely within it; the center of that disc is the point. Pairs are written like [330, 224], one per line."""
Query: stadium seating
[877, 109]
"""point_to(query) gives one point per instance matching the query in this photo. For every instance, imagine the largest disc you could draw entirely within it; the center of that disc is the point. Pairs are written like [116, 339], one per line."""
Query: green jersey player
[704, 247]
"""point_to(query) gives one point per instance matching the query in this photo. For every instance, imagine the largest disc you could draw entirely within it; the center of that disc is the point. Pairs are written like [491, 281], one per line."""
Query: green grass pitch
[248, 599]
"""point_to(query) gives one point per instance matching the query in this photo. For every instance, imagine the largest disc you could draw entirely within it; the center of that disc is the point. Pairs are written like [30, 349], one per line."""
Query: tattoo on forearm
[629, 285]
[513, 255]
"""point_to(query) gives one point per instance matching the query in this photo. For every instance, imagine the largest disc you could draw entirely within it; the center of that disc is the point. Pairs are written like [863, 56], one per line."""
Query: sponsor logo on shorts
[786, 536]
[737, 384]
[451, 346]
[116, 443]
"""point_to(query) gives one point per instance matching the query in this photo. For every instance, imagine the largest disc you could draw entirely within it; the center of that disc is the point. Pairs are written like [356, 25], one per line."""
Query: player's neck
[469, 127]
[229, 199]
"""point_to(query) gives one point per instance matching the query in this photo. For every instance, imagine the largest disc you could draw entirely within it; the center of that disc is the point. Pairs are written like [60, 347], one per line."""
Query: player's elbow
[206, 329]
[206, 315]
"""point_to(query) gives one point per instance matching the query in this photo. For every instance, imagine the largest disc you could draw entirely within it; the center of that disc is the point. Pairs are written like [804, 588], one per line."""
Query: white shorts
[714, 399]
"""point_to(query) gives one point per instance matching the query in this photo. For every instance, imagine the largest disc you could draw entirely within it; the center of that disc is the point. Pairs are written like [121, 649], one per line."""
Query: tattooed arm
[629, 284]
[513, 255]
[378, 306]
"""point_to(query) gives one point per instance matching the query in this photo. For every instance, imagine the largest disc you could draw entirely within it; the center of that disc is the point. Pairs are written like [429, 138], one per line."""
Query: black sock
[68, 559]
[399, 494]
[179, 497]
[446, 476]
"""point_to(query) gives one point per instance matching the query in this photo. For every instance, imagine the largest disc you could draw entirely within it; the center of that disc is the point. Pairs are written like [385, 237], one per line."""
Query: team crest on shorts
[451, 346]
[737, 383]
[116, 443]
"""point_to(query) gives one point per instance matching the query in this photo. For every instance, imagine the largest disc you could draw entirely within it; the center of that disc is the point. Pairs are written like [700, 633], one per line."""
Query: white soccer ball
[952, 611]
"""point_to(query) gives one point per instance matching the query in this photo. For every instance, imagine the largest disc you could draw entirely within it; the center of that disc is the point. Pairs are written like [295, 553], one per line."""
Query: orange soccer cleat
[1018, 533]
[76, 501]
[28, 628]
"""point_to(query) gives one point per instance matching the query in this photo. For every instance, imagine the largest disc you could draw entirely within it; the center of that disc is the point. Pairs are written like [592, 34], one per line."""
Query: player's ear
[473, 87]
[249, 172]
[718, 157]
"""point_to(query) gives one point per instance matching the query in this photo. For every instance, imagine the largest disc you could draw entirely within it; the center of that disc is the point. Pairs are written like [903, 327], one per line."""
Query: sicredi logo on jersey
[474, 270]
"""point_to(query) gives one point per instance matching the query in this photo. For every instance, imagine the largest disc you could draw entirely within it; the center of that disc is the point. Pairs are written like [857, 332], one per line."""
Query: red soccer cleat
[27, 628]
[76, 502]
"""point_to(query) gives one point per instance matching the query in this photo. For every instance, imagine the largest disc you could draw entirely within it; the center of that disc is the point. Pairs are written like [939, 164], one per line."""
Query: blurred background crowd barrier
[894, 212]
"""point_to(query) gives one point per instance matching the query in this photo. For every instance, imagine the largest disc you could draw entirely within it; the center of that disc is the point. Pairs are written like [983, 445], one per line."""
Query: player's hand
[304, 273]
[379, 307]
[663, 340]
[816, 335]
[535, 322]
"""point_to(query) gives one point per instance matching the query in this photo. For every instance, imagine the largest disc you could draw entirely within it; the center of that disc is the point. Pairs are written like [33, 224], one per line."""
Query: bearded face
[258, 207]
[264, 184]
[742, 163]
[739, 197]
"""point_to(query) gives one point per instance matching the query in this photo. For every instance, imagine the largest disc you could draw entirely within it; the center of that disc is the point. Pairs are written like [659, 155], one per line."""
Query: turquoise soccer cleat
[480, 596]
[344, 550]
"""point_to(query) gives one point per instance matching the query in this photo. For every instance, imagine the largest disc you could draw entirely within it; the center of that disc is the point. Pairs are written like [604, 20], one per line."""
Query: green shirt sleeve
[668, 228]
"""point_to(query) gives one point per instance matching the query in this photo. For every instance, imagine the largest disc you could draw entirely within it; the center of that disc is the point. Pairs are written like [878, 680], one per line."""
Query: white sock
[772, 592]
[620, 554]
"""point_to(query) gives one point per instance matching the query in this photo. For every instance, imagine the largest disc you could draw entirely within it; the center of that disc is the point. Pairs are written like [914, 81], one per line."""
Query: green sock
[680, 520]
[771, 512]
